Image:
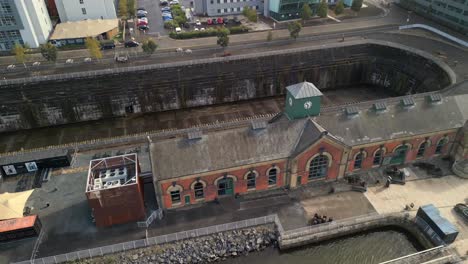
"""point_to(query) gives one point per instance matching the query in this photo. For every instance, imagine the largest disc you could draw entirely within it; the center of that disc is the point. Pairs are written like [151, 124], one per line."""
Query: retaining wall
[61, 99]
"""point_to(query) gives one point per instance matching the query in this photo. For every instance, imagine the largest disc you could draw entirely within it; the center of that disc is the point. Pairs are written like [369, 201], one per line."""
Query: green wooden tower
[302, 100]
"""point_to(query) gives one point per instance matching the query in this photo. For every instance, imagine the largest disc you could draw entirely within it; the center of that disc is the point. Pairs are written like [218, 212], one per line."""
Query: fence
[158, 240]
[157, 213]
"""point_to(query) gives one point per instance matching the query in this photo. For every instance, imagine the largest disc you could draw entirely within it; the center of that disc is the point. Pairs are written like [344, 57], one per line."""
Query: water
[368, 248]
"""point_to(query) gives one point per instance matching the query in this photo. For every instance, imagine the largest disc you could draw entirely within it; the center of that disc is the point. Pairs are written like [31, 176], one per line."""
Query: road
[156, 24]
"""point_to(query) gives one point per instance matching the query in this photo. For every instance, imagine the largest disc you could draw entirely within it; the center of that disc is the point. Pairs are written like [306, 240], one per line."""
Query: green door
[187, 199]
[400, 155]
[225, 187]
[299, 180]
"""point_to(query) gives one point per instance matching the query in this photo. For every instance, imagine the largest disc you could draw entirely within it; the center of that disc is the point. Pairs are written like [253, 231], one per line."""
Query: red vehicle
[209, 21]
[17, 228]
[220, 20]
[142, 23]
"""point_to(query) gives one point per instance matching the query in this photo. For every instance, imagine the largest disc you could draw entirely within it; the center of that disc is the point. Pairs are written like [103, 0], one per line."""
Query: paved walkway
[444, 193]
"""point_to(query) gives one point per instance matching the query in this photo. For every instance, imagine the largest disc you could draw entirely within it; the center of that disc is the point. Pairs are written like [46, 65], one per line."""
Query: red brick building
[300, 146]
[115, 191]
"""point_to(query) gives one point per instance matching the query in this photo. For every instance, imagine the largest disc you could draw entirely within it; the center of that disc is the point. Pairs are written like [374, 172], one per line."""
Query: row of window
[5, 8]
[229, 1]
[7, 21]
[225, 186]
[378, 156]
[234, 9]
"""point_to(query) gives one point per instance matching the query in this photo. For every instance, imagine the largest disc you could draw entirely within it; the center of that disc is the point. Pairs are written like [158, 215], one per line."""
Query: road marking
[332, 18]
[36, 245]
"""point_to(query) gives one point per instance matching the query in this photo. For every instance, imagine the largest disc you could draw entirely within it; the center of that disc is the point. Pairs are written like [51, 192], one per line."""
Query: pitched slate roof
[225, 149]
[303, 90]
[398, 121]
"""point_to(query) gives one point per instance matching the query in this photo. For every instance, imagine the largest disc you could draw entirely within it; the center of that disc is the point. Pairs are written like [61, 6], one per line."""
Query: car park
[143, 27]
[197, 22]
[462, 211]
[131, 44]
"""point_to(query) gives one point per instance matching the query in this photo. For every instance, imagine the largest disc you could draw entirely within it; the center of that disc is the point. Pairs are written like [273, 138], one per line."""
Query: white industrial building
[76, 10]
[23, 22]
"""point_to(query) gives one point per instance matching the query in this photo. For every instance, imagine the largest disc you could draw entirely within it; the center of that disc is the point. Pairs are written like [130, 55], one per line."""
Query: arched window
[175, 196]
[378, 156]
[272, 175]
[318, 167]
[421, 150]
[251, 181]
[440, 145]
[198, 189]
[358, 161]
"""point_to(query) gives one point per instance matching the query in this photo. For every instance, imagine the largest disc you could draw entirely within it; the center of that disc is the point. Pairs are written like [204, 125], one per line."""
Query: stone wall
[53, 100]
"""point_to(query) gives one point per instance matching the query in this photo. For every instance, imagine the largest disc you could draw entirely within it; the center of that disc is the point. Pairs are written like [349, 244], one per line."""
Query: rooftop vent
[435, 98]
[194, 134]
[259, 124]
[408, 102]
[352, 111]
[381, 106]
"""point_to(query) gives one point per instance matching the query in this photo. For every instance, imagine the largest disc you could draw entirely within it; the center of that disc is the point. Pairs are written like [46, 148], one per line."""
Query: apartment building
[452, 13]
[226, 7]
[23, 21]
[76, 10]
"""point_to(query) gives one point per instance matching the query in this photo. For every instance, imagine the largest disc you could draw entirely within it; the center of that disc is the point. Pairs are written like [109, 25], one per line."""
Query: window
[440, 145]
[83, 10]
[358, 161]
[318, 167]
[421, 150]
[251, 181]
[272, 175]
[81, 1]
[198, 189]
[175, 196]
[378, 157]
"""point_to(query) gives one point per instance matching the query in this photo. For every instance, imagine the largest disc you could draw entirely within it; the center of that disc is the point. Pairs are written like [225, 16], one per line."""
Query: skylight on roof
[380, 106]
[435, 98]
[259, 124]
[194, 134]
[408, 102]
[351, 110]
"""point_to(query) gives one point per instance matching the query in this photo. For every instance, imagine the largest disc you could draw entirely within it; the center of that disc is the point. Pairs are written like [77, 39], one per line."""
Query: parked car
[141, 8]
[215, 21]
[220, 20]
[141, 15]
[144, 12]
[131, 44]
[143, 19]
[209, 21]
[174, 2]
[462, 210]
[197, 22]
[178, 30]
[167, 12]
[225, 20]
[196, 29]
[142, 23]
[166, 8]
[143, 27]
[202, 29]
[167, 19]
[164, 3]
[107, 45]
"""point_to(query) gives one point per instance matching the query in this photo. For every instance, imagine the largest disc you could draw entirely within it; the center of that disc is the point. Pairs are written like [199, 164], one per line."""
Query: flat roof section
[83, 29]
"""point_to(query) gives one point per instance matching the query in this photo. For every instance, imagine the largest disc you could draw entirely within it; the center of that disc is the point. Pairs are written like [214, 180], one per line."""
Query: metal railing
[152, 241]
[157, 213]
[435, 30]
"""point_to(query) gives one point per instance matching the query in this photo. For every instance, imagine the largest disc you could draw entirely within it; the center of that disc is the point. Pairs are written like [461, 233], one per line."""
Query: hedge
[210, 32]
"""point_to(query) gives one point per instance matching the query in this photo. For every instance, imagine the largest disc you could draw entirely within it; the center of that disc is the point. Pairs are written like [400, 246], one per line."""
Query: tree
[294, 29]
[223, 38]
[322, 10]
[356, 6]
[171, 24]
[306, 12]
[250, 14]
[93, 47]
[123, 8]
[339, 8]
[20, 53]
[131, 8]
[149, 46]
[49, 52]
[270, 36]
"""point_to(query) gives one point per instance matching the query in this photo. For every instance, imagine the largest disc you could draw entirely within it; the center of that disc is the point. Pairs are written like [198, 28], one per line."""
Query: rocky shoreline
[206, 249]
